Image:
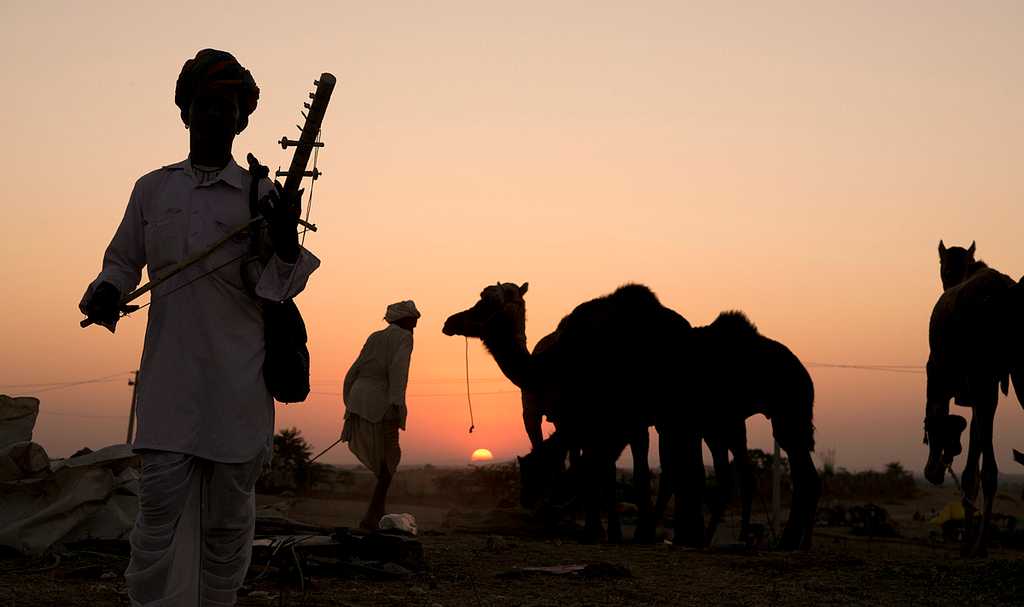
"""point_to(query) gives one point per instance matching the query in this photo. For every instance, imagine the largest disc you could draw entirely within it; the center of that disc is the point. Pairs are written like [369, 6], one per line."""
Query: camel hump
[734, 322]
[634, 294]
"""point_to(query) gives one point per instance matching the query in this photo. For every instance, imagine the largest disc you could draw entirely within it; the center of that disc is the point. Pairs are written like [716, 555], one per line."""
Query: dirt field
[473, 555]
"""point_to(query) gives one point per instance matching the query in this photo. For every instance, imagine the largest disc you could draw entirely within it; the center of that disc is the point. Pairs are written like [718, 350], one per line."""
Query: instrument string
[312, 184]
[182, 286]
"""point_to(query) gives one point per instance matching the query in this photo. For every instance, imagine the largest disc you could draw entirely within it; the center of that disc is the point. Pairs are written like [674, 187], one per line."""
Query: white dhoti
[192, 541]
[375, 445]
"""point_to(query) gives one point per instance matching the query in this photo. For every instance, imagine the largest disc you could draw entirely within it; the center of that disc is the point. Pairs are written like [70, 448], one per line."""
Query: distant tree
[290, 468]
[895, 470]
[894, 483]
[291, 448]
[763, 462]
[828, 463]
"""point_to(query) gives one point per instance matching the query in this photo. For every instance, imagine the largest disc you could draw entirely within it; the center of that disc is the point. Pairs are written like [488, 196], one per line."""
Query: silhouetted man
[205, 416]
[374, 395]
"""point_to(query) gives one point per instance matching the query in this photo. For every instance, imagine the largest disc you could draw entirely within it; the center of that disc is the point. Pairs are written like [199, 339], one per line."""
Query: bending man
[375, 410]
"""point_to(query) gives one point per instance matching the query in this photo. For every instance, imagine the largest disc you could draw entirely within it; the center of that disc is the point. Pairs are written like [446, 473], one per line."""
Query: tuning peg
[304, 115]
[314, 174]
[287, 143]
[298, 127]
[312, 96]
[305, 105]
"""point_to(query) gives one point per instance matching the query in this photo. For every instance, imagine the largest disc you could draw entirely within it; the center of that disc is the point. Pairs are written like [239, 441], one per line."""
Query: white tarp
[23, 460]
[93, 496]
[42, 503]
[17, 418]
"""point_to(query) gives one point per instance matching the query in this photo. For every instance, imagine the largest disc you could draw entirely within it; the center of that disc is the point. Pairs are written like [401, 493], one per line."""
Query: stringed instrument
[304, 146]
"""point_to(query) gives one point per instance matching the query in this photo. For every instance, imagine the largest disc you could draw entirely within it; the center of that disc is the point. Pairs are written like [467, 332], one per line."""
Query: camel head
[954, 263]
[942, 435]
[501, 306]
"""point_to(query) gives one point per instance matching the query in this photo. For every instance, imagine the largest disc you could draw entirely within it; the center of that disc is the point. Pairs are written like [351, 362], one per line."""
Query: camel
[721, 440]
[611, 370]
[974, 338]
[737, 373]
[540, 470]
[543, 476]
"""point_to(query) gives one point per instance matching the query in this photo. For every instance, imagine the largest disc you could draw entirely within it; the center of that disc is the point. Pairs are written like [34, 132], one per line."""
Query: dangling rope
[956, 480]
[469, 399]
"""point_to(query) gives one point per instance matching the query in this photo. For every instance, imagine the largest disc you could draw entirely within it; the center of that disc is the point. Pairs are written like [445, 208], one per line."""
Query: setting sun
[481, 455]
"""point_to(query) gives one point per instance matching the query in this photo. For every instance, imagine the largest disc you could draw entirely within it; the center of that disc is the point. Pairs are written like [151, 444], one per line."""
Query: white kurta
[379, 376]
[201, 389]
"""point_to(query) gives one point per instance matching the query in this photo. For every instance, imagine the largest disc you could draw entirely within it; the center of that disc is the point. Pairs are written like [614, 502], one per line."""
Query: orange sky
[797, 163]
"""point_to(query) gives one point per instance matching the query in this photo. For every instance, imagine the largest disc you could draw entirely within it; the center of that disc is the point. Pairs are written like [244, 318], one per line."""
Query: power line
[88, 415]
[911, 369]
[48, 386]
[439, 380]
[432, 394]
[41, 387]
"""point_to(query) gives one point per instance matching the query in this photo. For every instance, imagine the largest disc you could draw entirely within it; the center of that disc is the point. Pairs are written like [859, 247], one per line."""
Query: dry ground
[465, 560]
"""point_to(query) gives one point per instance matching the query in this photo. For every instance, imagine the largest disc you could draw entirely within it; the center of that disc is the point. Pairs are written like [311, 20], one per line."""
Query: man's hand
[104, 306]
[282, 214]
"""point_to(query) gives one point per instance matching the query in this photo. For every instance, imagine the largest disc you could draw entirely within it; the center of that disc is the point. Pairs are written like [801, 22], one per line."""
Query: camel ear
[970, 250]
[524, 288]
[942, 248]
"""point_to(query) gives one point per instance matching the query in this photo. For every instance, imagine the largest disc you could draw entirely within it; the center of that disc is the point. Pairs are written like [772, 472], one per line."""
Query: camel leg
[688, 482]
[969, 480]
[665, 480]
[989, 475]
[639, 446]
[745, 469]
[591, 488]
[723, 482]
[609, 482]
[806, 491]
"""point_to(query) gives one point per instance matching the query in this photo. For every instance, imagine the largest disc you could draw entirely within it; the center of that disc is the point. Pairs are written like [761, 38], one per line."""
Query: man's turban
[213, 69]
[400, 310]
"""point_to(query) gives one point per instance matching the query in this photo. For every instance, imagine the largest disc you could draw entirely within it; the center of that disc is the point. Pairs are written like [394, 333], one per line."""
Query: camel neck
[510, 352]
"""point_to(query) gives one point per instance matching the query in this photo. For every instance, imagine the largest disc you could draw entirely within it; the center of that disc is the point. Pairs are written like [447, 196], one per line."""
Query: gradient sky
[798, 161]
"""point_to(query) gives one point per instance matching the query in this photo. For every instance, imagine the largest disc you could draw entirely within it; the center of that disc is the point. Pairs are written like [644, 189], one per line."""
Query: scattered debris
[866, 520]
[405, 523]
[496, 543]
[953, 511]
[296, 551]
[588, 571]
[871, 520]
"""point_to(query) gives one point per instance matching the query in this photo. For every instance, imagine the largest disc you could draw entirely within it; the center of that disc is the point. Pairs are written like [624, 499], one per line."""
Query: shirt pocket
[165, 240]
[230, 256]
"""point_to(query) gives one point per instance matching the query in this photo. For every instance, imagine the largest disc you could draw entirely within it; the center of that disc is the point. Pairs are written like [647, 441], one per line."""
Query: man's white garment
[206, 419]
[192, 542]
[379, 376]
[201, 388]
